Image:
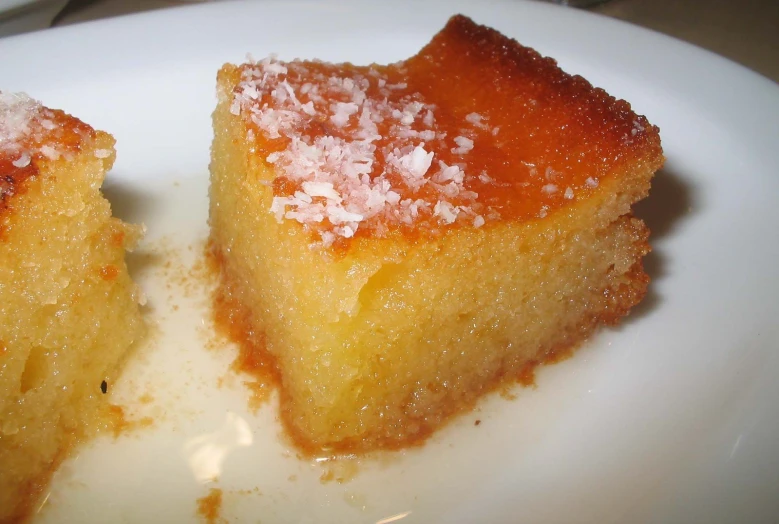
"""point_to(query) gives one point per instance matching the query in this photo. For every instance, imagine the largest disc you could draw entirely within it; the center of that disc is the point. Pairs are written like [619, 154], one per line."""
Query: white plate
[671, 418]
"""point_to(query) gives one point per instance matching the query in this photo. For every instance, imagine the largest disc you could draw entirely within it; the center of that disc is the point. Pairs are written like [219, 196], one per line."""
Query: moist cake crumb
[69, 309]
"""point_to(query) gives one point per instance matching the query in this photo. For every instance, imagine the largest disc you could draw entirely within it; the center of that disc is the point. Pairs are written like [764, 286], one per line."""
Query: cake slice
[68, 309]
[395, 241]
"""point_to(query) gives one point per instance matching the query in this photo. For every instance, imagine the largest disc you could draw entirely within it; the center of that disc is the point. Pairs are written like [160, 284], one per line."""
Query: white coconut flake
[345, 231]
[451, 190]
[448, 173]
[22, 161]
[49, 152]
[278, 206]
[273, 158]
[428, 119]
[485, 178]
[418, 161]
[102, 153]
[321, 189]
[475, 119]
[591, 183]
[549, 189]
[339, 215]
[568, 193]
[464, 144]
[341, 112]
[446, 211]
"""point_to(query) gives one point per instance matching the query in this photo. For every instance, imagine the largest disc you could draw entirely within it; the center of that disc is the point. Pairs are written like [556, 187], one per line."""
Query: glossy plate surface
[670, 418]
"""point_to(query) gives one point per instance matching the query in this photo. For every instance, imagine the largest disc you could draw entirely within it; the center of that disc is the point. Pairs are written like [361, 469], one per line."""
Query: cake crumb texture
[209, 507]
[68, 309]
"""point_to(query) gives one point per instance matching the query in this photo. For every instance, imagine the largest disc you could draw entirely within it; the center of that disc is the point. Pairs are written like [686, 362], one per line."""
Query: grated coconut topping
[358, 152]
[29, 130]
[351, 177]
[18, 115]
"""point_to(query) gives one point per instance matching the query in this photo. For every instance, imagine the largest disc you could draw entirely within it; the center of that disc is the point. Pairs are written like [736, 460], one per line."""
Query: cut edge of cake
[71, 312]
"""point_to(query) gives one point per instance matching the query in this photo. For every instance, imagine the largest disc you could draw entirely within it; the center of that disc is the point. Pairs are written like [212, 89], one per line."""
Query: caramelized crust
[554, 128]
[31, 133]
[474, 129]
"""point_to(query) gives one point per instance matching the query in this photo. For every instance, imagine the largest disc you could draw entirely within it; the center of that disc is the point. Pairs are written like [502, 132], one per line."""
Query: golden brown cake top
[473, 129]
[29, 133]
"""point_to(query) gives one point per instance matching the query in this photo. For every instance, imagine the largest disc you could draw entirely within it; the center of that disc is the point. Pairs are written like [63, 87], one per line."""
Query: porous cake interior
[381, 330]
[69, 309]
[376, 348]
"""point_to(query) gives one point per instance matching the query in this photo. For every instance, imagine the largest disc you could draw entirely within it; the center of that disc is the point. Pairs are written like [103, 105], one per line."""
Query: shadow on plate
[668, 203]
[129, 202]
[135, 205]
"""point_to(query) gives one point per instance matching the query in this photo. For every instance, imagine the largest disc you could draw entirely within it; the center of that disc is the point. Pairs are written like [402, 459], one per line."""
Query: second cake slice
[69, 311]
